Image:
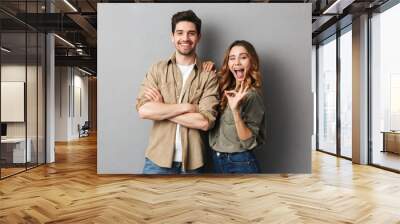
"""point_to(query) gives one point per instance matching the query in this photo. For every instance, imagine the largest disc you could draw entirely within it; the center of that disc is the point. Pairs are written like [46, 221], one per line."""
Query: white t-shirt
[185, 71]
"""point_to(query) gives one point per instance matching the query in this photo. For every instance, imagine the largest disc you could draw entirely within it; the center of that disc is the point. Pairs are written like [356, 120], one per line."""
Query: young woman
[240, 127]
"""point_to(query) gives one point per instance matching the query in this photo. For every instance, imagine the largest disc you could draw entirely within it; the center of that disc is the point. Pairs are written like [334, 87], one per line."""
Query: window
[327, 96]
[346, 75]
[385, 88]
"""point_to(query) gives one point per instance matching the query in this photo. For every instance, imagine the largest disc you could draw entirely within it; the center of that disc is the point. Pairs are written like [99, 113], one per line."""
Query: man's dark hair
[189, 16]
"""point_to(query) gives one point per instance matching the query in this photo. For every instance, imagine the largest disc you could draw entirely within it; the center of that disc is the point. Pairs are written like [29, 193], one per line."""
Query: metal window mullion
[317, 97]
[69, 92]
[369, 91]
[37, 91]
[73, 91]
[45, 93]
[0, 94]
[338, 98]
[26, 87]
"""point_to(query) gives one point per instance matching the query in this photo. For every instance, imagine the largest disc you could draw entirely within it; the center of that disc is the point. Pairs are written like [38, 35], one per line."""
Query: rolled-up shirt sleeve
[150, 80]
[208, 104]
[253, 116]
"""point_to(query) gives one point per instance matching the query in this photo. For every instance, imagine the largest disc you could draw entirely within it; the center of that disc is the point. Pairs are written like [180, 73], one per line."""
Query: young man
[181, 99]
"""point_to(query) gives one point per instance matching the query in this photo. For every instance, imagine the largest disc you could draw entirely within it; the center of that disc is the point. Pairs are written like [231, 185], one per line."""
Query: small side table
[391, 141]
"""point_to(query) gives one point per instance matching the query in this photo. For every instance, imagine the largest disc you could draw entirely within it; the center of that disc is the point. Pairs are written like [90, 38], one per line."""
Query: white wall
[16, 72]
[61, 103]
[67, 116]
[33, 126]
[79, 117]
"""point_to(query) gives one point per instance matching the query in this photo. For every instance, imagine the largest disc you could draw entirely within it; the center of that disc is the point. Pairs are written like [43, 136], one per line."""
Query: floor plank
[70, 191]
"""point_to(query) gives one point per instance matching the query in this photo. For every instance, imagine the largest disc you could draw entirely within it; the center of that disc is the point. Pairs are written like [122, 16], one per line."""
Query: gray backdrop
[131, 37]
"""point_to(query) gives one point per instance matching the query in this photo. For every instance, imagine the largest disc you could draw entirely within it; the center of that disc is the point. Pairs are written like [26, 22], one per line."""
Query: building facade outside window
[327, 96]
[346, 75]
[385, 88]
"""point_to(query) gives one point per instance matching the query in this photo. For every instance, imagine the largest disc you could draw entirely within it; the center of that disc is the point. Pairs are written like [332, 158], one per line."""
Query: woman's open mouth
[239, 73]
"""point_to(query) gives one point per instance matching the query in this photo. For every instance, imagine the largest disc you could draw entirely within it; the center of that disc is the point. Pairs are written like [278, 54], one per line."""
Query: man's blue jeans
[152, 168]
[238, 162]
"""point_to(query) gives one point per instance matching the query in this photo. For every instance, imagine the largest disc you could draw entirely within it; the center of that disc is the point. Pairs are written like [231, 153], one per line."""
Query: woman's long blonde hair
[227, 80]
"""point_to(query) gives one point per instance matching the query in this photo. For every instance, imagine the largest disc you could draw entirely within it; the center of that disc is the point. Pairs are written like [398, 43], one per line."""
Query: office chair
[84, 130]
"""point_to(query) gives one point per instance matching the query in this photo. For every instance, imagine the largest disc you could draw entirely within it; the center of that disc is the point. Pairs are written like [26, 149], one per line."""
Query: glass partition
[14, 153]
[22, 77]
[32, 95]
[41, 107]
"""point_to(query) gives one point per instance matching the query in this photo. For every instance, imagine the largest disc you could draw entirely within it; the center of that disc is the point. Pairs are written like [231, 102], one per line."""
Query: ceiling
[76, 22]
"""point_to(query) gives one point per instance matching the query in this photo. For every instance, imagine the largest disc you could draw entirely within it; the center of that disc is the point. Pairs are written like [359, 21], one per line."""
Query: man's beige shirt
[201, 88]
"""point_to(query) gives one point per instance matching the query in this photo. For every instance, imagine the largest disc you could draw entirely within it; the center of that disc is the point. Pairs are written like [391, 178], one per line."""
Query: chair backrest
[86, 125]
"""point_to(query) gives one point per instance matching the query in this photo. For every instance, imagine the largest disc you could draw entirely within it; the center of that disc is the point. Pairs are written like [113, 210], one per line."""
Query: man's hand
[191, 108]
[153, 95]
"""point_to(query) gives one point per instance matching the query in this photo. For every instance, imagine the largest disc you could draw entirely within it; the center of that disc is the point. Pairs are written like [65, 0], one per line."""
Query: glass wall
[22, 100]
[346, 93]
[327, 96]
[41, 97]
[385, 89]
[31, 100]
[13, 90]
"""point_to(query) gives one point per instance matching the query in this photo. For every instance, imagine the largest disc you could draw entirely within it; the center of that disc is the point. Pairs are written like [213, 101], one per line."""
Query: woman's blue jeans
[238, 162]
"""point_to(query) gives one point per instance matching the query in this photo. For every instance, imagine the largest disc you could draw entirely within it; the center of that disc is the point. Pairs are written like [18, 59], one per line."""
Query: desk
[15, 148]
[391, 141]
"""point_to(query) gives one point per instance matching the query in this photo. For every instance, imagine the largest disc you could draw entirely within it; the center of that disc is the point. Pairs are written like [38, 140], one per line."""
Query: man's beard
[189, 53]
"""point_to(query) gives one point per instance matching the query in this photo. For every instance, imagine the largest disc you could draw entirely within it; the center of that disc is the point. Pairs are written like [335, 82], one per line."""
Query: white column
[360, 90]
[50, 94]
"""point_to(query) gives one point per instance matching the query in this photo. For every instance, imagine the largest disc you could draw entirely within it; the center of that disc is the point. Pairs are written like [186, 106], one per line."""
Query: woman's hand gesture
[235, 97]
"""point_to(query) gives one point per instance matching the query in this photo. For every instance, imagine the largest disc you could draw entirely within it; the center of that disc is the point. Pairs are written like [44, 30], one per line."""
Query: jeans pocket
[243, 162]
[241, 157]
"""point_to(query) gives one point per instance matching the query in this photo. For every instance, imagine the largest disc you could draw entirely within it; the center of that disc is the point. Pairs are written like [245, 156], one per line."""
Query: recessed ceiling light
[84, 71]
[64, 40]
[329, 8]
[5, 50]
[70, 5]
[334, 7]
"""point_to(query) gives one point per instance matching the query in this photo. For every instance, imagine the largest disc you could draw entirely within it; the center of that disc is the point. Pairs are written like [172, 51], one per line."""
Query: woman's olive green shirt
[224, 138]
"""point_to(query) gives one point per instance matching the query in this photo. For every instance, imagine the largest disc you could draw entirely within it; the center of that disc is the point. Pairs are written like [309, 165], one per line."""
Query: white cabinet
[18, 149]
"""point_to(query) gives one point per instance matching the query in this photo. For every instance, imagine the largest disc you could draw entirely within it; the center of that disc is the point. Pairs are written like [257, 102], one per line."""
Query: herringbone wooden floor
[70, 191]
